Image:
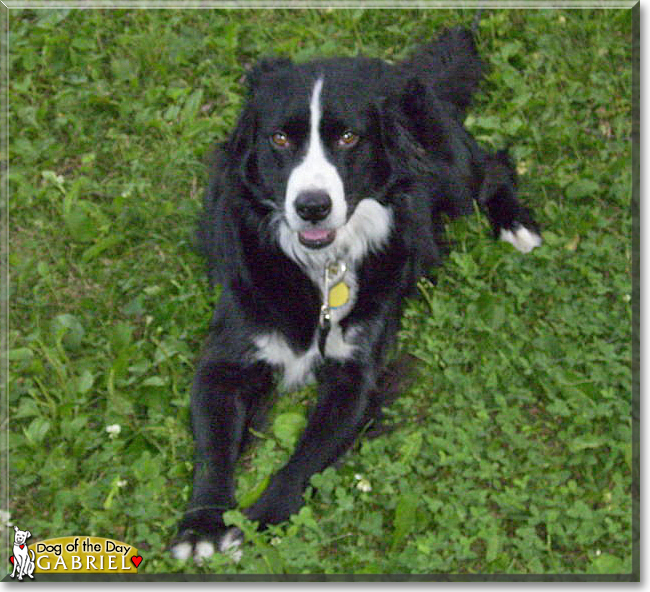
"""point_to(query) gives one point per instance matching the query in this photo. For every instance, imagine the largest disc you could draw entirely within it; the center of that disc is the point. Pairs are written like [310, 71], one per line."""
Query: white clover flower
[114, 430]
[363, 483]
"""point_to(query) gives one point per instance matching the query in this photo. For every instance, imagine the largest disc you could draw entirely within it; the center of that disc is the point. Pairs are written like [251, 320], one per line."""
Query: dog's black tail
[450, 67]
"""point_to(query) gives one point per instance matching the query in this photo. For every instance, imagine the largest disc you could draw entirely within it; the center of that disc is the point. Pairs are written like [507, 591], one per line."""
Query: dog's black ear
[413, 177]
[264, 67]
[398, 146]
[239, 145]
[235, 153]
[424, 117]
[243, 134]
[411, 129]
[240, 149]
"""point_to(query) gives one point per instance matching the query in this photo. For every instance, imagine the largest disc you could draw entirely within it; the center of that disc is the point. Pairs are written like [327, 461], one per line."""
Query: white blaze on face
[315, 173]
[365, 229]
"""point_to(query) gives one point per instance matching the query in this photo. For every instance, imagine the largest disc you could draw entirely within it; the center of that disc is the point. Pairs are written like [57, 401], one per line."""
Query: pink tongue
[315, 235]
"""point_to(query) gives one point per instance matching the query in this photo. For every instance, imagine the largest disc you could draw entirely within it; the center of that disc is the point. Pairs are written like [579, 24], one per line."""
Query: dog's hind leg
[510, 220]
[31, 564]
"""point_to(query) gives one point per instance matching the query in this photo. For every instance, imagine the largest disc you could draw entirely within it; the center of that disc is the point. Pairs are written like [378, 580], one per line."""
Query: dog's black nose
[313, 206]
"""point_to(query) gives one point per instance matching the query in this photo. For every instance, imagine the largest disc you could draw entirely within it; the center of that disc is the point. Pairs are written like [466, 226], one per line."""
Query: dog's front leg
[339, 415]
[224, 400]
[21, 567]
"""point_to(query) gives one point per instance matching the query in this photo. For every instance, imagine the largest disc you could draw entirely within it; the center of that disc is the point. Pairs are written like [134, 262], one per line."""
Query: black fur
[417, 161]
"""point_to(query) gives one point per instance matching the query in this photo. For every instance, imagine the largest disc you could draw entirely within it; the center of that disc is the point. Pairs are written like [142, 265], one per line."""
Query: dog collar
[335, 294]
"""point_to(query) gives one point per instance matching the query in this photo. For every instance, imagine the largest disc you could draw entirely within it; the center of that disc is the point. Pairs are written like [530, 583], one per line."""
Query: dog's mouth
[316, 238]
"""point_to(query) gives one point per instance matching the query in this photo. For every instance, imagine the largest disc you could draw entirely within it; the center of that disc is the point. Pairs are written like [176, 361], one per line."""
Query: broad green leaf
[404, 520]
[287, 427]
[581, 188]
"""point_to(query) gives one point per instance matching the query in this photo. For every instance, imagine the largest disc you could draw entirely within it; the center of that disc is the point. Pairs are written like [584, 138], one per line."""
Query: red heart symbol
[136, 560]
[11, 559]
[22, 546]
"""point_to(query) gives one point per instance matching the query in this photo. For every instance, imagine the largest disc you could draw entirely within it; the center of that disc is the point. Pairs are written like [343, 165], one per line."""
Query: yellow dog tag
[338, 295]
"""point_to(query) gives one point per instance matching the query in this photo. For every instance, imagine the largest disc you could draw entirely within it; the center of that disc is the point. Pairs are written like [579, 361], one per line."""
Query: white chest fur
[367, 231]
[297, 367]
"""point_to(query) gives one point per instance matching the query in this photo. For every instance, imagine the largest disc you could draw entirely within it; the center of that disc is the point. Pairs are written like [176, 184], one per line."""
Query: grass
[513, 449]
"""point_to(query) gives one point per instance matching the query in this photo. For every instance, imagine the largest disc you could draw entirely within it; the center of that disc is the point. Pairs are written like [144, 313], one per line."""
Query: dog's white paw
[230, 544]
[182, 551]
[521, 238]
[202, 549]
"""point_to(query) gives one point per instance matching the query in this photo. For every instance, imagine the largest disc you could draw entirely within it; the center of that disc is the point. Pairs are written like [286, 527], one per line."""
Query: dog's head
[20, 536]
[310, 146]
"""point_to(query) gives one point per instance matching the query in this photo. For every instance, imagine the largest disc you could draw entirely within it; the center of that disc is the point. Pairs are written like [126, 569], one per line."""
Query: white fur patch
[315, 173]
[297, 368]
[338, 345]
[367, 230]
[203, 550]
[522, 239]
[182, 551]
[230, 544]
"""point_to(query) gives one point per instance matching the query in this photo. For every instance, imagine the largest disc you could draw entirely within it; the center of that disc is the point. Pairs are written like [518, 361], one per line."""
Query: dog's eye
[280, 139]
[347, 139]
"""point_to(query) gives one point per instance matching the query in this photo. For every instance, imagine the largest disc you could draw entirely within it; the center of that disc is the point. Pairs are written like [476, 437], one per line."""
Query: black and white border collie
[325, 206]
